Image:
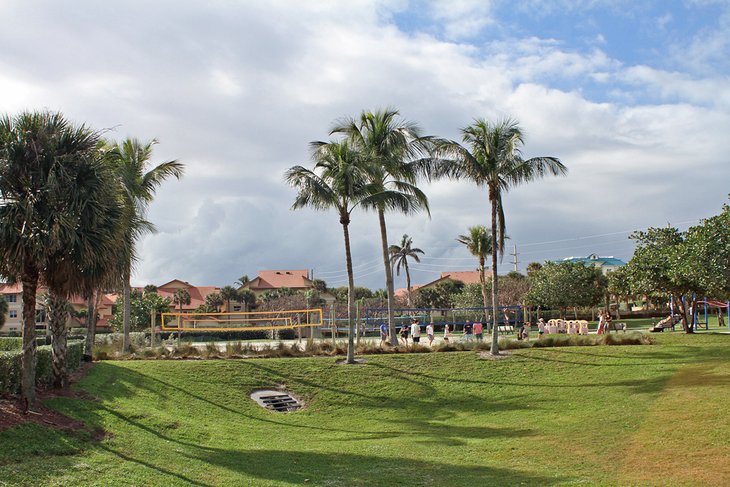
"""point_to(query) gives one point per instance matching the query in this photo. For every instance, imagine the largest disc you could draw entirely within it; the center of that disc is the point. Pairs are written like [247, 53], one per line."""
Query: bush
[7, 344]
[10, 364]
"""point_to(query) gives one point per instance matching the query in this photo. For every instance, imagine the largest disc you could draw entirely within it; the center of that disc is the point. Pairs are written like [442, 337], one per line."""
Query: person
[607, 326]
[404, 334]
[383, 333]
[540, 327]
[526, 330]
[478, 331]
[429, 333]
[521, 332]
[446, 333]
[467, 330]
[601, 323]
[416, 331]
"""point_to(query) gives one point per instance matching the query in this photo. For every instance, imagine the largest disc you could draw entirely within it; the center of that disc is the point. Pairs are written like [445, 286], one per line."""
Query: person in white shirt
[446, 333]
[416, 331]
[429, 333]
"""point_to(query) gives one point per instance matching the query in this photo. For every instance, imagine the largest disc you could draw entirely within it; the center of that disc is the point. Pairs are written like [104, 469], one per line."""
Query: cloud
[237, 91]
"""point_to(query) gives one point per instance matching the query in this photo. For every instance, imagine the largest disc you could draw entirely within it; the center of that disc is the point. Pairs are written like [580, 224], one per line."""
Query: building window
[13, 313]
[40, 315]
[11, 298]
[236, 308]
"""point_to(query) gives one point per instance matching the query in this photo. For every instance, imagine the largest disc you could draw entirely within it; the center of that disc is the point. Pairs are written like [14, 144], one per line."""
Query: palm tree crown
[399, 255]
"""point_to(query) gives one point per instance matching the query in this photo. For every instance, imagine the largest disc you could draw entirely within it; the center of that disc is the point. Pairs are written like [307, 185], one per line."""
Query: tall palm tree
[492, 158]
[338, 182]
[131, 159]
[57, 207]
[228, 294]
[214, 301]
[479, 243]
[399, 255]
[393, 149]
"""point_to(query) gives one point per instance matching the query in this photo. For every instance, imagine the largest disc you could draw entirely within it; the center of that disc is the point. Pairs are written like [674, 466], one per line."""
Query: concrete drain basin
[280, 401]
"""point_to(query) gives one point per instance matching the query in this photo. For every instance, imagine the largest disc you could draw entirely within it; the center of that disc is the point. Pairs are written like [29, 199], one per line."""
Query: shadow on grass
[348, 469]
[654, 384]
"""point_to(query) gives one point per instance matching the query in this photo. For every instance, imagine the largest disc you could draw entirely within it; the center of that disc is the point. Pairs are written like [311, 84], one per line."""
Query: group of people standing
[475, 330]
[604, 322]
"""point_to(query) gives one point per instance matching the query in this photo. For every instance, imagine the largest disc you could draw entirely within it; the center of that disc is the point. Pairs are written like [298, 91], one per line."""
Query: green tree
[181, 298]
[492, 159]
[619, 285]
[338, 182]
[319, 285]
[150, 288]
[213, 302]
[142, 307]
[656, 267]
[131, 160]
[706, 257]
[442, 295]
[479, 243]
[228, 294]
[399, 255]
[247, 298]
[57, 206]
[566, 285]
[243, 280]
[393, 149]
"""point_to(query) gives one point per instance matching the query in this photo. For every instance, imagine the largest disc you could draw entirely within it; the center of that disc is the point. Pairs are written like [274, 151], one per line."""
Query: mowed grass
[618, 415]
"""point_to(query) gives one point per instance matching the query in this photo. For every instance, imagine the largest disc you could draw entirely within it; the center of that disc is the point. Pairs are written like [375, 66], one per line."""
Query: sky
[633, 97]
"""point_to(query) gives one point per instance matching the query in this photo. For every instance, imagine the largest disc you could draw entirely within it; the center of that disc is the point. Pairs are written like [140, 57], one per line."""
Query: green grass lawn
[619, 415]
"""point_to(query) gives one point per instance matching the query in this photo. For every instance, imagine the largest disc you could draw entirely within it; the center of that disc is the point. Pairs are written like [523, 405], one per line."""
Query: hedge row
[10, 363]
[8, 344]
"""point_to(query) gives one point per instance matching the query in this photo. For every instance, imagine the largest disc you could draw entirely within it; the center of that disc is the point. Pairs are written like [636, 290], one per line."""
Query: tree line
[73, 210]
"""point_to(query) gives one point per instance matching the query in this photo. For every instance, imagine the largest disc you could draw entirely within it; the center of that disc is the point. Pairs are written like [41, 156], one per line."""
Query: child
[446, 333]
[429, 333]
[540, 327]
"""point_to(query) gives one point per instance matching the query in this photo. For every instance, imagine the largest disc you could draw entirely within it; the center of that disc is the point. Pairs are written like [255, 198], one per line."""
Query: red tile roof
[293, 279]
[197, 294]
[467, 277]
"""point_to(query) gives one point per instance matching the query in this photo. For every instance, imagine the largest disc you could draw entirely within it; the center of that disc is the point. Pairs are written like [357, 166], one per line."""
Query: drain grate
[280, 401]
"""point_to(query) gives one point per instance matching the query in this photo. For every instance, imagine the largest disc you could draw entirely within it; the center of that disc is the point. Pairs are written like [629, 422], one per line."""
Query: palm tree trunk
[30, 286]
[126, 317]
[408, 282]
[90, 327]
[483, 282]
[495, 328]
[345, 221]
[388, 276]
[57, 318]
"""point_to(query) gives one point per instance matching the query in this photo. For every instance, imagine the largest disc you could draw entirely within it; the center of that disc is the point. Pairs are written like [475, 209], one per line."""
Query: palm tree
[57, 217]
[243, 280]
[338, 182]
[479, 243]
[393, 150]
[181, 297]
[214, 301]
[228, 294]
[139, 184]
[399, 255]
[492, 158]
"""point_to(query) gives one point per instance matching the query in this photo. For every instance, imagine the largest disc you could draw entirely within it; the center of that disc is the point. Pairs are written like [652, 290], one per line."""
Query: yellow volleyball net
[242, 321]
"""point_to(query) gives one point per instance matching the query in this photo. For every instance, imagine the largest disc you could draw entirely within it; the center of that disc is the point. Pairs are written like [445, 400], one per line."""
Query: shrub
[10, 363]
[8, 344]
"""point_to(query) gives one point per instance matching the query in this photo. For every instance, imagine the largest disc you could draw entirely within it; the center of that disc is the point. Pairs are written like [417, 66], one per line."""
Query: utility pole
[514, 255]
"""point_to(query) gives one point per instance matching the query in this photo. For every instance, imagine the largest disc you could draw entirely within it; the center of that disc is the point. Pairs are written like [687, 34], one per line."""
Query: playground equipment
[705, 303]
[241, 321]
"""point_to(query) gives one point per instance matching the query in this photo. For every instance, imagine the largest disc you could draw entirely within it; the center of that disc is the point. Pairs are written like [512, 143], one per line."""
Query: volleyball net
[242, 321]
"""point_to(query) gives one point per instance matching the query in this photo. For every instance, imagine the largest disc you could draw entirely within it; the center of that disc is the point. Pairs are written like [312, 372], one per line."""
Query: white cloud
[237, 91]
